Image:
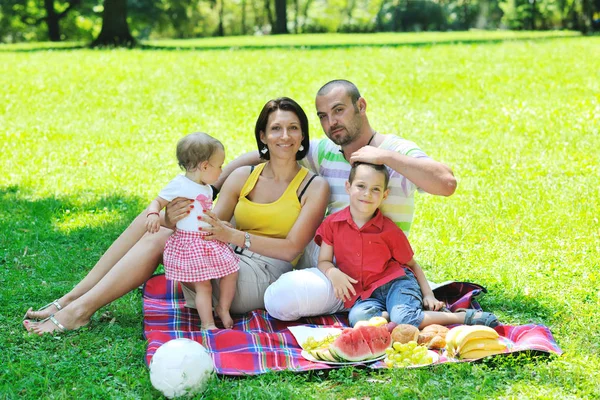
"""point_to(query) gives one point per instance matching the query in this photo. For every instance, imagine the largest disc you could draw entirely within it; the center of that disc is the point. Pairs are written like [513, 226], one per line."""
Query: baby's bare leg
[227, 286]
[203, 303]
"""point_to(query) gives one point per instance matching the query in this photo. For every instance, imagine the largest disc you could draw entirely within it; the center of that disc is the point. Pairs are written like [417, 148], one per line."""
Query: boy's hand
[342, 283]
[431, 303]
[152, 223]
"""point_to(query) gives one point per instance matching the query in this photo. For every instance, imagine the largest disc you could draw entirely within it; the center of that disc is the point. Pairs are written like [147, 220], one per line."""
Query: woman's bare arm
[302, 232]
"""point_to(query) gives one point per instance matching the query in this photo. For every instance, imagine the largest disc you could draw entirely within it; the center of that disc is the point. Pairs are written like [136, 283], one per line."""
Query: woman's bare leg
[133, 269]
[227, 286]
[109, 259]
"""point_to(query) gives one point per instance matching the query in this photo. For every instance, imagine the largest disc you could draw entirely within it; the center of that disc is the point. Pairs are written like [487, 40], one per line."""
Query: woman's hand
[218, 230]
[176, 210]
[432, 304]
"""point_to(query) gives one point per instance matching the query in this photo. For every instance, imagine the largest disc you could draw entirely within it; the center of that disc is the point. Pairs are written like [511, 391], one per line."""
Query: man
[342, 113]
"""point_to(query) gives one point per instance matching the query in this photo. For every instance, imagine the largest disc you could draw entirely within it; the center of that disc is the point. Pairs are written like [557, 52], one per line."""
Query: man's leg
[301, 293]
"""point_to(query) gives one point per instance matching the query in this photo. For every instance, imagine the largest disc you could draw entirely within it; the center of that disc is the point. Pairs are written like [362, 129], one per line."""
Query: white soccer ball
[181, 367]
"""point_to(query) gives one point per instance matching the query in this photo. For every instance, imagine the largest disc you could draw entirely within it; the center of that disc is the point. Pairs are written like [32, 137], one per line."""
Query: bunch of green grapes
[402, 355]
[312, 344]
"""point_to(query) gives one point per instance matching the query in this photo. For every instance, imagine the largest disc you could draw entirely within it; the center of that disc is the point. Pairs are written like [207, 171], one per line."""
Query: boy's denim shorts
[401, 298]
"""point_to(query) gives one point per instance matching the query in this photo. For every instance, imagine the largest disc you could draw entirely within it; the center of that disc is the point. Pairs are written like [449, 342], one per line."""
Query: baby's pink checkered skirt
[189, 258]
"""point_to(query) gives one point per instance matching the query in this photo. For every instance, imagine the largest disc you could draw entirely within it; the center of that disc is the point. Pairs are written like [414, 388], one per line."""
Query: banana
[377, 321]
[480, 353]
[472, 332]
[451, 339]
[481, 344]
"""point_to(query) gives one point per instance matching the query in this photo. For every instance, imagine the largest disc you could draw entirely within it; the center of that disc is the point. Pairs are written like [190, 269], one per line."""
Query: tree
[115, 29]
[53, 18]
[280, 26]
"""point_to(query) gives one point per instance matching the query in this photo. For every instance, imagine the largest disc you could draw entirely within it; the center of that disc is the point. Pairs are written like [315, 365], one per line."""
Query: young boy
[376, 272]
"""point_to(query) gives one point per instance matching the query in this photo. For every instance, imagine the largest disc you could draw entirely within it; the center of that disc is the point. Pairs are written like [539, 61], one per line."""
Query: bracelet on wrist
[152, 213]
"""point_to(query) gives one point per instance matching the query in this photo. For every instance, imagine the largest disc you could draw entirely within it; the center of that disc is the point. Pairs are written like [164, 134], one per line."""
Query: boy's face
[367, 190]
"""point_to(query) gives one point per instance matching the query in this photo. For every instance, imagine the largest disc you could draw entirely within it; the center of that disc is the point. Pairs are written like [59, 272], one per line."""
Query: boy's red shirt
[373, 255]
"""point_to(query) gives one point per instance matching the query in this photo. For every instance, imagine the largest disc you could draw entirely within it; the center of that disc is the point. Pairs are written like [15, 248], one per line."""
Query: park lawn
[87, 140]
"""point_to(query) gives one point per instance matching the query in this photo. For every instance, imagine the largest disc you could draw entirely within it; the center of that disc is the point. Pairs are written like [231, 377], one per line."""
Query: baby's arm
[342, 283]
[153, 214]
[429, 300]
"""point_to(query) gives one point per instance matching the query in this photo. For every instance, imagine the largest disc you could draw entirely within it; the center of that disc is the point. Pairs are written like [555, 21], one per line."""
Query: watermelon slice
[362, 343]
[378, 338]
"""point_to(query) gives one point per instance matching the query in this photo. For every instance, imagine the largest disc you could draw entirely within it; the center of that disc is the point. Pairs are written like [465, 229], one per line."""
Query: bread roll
[433, 336]
[405, 333]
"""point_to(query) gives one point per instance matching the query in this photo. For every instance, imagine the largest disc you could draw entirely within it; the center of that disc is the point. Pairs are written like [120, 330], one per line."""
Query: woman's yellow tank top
[271, 219]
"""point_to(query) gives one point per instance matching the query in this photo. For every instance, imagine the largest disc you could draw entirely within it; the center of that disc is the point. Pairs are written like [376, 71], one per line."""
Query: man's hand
[176, 210]
[431, 303]
[368, 154]
[152, 223]
[342, 283]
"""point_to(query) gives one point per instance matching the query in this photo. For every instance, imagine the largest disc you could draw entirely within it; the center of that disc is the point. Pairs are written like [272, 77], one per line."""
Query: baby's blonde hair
[195, 148]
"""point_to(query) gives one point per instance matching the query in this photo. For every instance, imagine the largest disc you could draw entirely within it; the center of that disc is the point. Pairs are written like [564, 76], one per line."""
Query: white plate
[302, 332]
[307, 355]
[435, 357]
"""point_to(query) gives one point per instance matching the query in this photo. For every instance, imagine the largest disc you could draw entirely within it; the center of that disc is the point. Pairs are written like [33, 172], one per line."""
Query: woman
[267, 246]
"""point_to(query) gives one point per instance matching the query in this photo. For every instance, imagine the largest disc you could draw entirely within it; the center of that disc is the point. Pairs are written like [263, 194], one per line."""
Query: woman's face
[283, 135]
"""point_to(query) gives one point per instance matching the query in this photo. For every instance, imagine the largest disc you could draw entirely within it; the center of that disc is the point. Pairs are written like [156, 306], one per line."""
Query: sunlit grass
[87, 140]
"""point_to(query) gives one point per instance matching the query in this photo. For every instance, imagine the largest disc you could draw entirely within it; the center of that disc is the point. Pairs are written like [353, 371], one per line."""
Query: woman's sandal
[52, 303]
[478, 317]
[59, 326]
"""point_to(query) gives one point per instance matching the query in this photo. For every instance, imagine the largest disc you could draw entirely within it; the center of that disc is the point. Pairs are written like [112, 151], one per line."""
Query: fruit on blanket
[390, 326]
[311, 343]
[374, 321]
[402, 355]
[322, 355]
[481, 344]
[433, 336]
[361, 343]
[480, 353]
[181, 367]
[405, 333]
[465, 339]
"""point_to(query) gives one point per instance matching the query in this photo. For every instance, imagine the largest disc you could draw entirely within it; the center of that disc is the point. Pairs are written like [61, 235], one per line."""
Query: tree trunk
[280, 17]
[243, 17]
[115, 30]
[269, 15]
[220, 28]
[52, 20]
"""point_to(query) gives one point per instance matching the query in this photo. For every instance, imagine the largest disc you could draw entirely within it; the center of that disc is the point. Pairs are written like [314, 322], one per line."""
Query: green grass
[87, 140]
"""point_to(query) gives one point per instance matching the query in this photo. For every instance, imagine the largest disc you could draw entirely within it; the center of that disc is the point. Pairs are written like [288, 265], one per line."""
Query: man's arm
[430, 175]
[250, 158]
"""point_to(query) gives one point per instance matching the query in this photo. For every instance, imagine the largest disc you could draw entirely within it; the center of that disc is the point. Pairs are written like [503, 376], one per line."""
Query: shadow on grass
[47, 245]
[319, 46]
[520, 309]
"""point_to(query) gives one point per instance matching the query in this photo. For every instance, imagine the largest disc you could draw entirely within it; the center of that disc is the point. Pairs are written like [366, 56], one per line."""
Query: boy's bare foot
[208, 327]
[225, 317]
[63, 320]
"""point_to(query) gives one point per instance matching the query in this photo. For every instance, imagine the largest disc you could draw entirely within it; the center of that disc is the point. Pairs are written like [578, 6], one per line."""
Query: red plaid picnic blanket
[258, 343]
